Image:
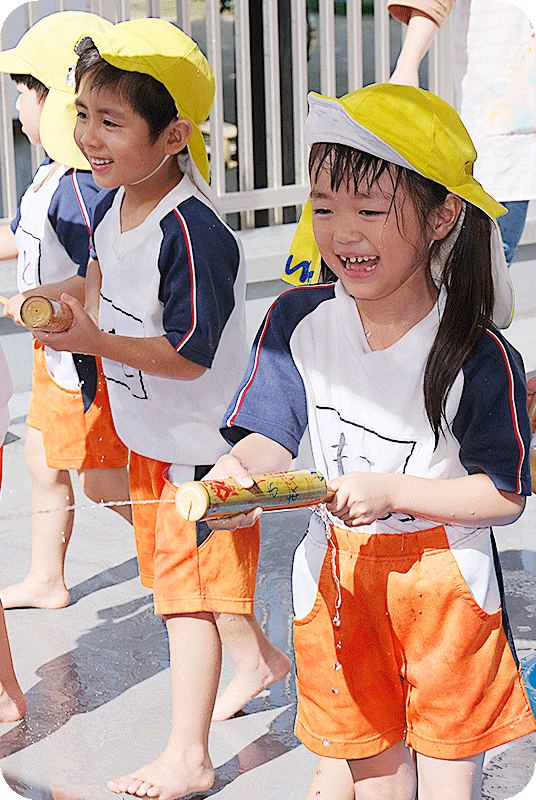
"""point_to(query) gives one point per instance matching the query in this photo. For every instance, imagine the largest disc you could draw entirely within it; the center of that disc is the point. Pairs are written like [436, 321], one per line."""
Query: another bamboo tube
[46, 314]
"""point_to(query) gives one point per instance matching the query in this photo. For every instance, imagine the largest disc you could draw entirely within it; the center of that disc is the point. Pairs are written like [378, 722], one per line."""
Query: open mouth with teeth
[360, 263]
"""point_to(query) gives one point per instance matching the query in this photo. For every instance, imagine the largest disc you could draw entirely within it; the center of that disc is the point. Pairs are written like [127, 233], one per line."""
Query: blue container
[528, 668]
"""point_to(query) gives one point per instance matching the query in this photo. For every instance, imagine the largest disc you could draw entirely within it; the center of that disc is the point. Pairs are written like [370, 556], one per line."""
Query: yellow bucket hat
[158, 48]
[46, 52]
[411, 128]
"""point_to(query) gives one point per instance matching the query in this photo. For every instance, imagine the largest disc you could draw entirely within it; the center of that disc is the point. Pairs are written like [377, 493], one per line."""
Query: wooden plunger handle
[46, 314]
[213, 499]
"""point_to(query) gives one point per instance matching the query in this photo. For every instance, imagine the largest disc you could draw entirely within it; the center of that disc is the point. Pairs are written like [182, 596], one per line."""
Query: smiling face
[374, 245]
[114, 138]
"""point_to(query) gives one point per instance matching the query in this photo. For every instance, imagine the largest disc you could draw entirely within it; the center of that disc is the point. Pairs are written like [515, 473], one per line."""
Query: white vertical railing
[326, 39]
[355, 44]
[381, 43]
[217, 150]
[247, 199]
[246, 176]
[299, 86]
[272, 94]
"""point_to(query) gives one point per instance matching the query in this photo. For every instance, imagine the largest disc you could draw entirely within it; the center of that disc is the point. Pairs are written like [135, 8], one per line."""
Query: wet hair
[148, 97]
[32, 83]
[466, 276]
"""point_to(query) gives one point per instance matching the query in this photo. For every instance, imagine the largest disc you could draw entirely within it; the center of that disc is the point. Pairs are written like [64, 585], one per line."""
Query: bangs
[349, 166]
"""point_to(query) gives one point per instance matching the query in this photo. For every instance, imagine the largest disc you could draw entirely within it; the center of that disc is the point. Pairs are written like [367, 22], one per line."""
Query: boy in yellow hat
[416, 408]
[69, 420]
[167, 281]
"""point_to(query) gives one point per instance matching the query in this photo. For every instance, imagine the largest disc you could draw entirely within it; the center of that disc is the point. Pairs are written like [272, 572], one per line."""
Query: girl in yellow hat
[416, 409]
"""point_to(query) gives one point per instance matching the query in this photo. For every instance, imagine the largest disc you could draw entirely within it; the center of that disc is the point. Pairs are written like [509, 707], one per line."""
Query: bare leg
[258, 663]
[44, 586]
[184, 766]
[332, 781]
[12, 700]
[387, 776]
[450, 780]
[107, 485]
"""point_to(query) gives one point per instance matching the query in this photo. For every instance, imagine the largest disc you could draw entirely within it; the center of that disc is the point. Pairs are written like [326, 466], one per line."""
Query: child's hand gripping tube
[214, 499]
[45, 314]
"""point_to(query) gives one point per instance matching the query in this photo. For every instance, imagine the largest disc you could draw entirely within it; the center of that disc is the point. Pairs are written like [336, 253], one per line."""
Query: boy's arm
[8, 244]
[472, 501]
[154, 355]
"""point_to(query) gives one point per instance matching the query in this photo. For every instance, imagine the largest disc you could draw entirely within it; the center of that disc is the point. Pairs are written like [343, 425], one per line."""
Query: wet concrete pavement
[96, 673]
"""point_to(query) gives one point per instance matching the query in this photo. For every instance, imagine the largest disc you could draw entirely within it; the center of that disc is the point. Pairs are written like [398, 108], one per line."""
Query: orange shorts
[77, 427]
[189, 567]
[413, 657]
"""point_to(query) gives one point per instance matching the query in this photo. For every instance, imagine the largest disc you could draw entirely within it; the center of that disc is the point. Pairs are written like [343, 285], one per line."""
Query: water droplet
[334, 690]
[326, 742]
[336, 622]
[337, 666]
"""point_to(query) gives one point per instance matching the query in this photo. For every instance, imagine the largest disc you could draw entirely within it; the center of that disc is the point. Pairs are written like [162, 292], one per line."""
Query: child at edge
[69, 419]
[12, 700]
[416, 407]
[167, 282]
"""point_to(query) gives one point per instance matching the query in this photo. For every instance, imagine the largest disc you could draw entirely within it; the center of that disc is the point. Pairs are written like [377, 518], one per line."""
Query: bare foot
[167, 778]
[12, 702]
[31, 593]
[244, 687]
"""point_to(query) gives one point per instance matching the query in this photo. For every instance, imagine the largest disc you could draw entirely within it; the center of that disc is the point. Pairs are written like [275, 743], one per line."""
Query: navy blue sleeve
[492, 423]
[198, 262]
[69, 216]
[15, 223]
[98, 206]
[271, 399]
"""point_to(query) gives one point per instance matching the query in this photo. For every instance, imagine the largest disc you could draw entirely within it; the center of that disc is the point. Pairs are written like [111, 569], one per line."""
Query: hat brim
[329, 121]
[56, 129]
[12, 63]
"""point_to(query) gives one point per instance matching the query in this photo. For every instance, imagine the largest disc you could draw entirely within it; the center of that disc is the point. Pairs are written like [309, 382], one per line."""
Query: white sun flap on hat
[328, 121]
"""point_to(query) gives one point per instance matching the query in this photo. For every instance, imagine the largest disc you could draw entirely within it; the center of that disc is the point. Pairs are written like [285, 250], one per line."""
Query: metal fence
[266, 56]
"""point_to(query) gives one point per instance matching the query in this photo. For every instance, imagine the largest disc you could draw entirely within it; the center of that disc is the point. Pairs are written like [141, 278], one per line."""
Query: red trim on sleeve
[515, 423]
[193, 292]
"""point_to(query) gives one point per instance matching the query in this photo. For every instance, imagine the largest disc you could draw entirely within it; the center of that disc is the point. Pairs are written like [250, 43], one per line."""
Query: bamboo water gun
[274, 491]
[44, 313]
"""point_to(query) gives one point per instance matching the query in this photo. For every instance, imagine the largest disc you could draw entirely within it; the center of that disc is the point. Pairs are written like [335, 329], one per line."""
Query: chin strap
[150, 175]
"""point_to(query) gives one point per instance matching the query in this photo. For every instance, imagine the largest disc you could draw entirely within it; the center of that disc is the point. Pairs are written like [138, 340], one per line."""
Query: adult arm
[419, 36]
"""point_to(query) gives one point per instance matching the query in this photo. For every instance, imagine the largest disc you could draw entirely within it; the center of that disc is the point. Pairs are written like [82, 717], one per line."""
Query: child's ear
[444, 218]
[177, 135]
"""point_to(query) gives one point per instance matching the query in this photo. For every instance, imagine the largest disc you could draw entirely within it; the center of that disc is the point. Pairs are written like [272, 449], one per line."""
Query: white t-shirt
[312, 365]
[180, 274]
[52, 234]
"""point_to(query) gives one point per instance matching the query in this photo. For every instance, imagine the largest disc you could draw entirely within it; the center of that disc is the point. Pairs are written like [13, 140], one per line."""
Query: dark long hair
[466, 276]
